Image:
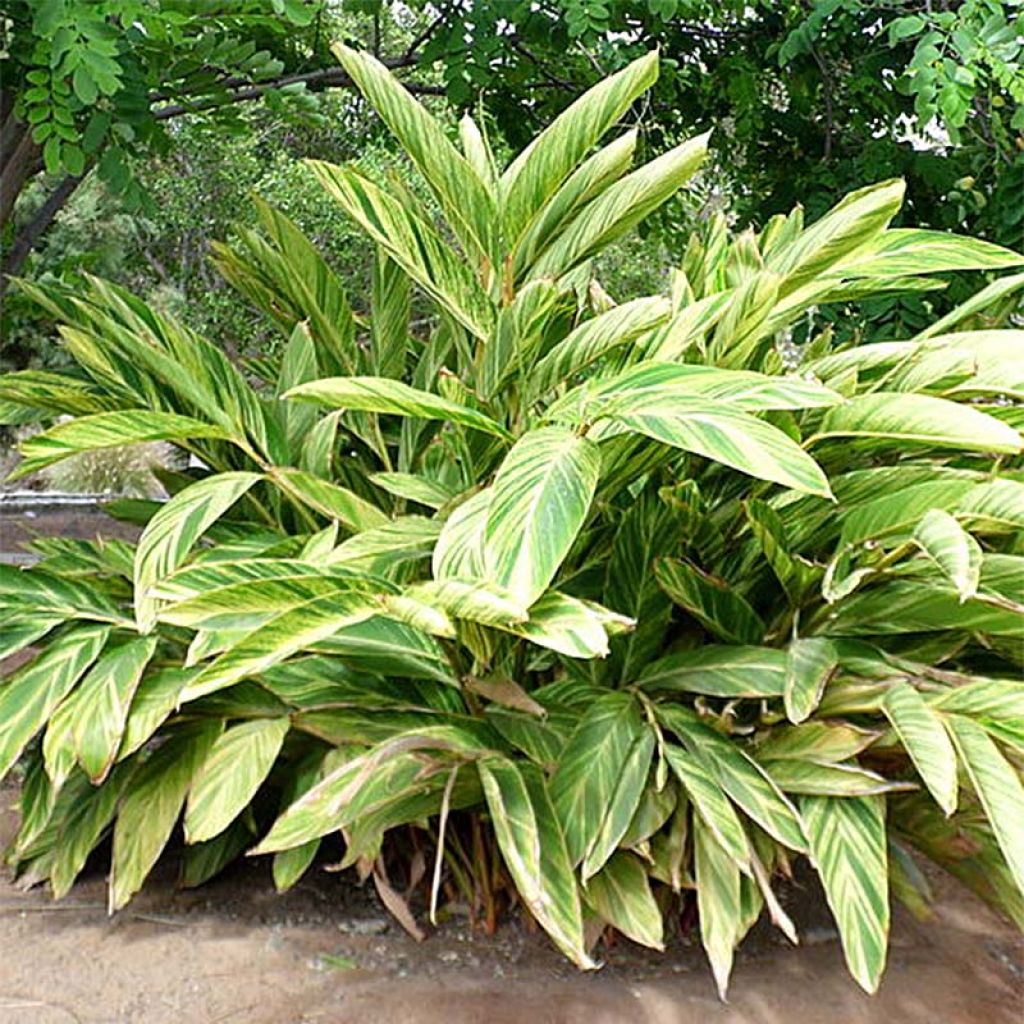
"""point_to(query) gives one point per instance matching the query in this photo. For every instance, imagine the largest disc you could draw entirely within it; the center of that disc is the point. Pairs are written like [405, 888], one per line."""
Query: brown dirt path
[234, 952]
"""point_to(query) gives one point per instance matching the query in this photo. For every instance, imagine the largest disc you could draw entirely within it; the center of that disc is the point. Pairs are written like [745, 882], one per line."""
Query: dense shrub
[646, 596]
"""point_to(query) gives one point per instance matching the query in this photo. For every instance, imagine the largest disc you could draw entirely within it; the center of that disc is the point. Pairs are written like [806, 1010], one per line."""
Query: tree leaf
[718, 902]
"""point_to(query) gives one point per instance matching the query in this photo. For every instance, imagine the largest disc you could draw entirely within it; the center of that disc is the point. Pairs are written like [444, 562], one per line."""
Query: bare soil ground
[234, 951]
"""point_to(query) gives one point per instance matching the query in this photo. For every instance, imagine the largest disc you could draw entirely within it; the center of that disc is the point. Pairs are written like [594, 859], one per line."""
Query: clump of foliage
[609, 594]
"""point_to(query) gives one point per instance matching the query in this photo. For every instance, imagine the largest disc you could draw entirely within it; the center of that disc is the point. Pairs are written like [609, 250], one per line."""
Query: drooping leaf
[848, 846]
[718, 902]
[621, 893]
[998, 786]
[234, 769]
[952, 549]
[715, 605]
[925, 739]
[32, 694]
[151, 805]
[534, 848]
[810, 662]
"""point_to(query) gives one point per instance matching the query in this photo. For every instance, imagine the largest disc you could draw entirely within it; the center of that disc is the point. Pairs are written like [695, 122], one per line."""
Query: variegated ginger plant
[604, 584]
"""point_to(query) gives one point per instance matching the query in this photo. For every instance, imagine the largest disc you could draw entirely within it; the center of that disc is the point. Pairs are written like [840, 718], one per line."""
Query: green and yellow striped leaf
[170, 534]
[590, 768]
[463, 196]
[810, 662]
[718, 902]
[998, 786]
[735, 439]
[621, 895]
[713, 603]
[238, 762]
[921, 731]
[151, 806]
[31, 695]
[382, 395]
[108, 430]
[718, 670]
[919, 419]
[534, 848]
[848, 847]
[539, 501]
[413, 244]
[952, 549]
[101, 705]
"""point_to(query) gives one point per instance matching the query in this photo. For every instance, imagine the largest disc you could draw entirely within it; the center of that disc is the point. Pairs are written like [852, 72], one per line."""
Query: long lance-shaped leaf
[716, 606]
[82, 828]
[595, 338]
[567, 625]
[391, 298]
[101, 705]
[746, 783]
[711, 804]
[238, 762]
[327, 498]
[379, 394]
[412, 244]
[517, 335]
[656, 380]
[845, 228]
[541, 497]
[810, 662]
[718, 902]
[916, 251]
[998, 786]
[621, 207]
[34, 592]
[467, 203]
[23, 631]
[621, 895]
[924, 738]
[170, 534]
[735, 439]
[978, 302]
[745, 322]
[151, 807]
[921, 419]
[952, 549]
[108, 430]
[622, 807]
[848, 846]
[536, 174]
[31, 695]
[591, 178]
[533, 846]
[590, 767]
[459, 551]
[718, 670]
[474, 600]
[810, 777]
[284, 635]
[413, 487]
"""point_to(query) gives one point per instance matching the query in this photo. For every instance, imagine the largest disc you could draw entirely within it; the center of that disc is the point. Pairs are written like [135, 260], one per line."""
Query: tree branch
[27, 237]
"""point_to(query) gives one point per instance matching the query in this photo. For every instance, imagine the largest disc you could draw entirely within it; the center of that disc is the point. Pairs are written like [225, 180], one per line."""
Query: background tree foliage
[161, 96]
